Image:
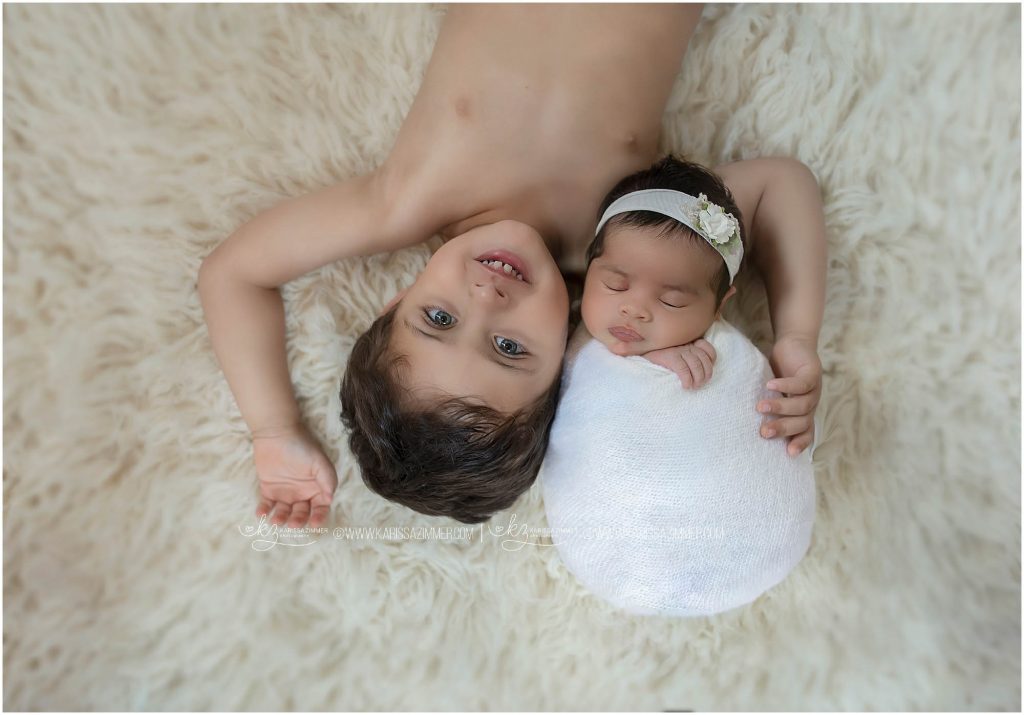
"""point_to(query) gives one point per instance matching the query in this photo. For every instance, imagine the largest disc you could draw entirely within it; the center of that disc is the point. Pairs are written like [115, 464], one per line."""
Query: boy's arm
[783, 216]
[238, 282]
[785, 226]
[358, 217]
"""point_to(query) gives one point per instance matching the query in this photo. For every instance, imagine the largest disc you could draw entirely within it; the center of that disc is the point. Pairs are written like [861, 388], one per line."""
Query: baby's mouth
[625, 334]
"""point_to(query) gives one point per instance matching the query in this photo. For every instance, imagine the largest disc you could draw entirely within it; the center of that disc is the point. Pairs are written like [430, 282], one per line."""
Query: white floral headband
[718, 228]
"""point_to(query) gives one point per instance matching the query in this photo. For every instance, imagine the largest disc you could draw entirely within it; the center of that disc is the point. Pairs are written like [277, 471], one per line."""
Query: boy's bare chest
[535, 112]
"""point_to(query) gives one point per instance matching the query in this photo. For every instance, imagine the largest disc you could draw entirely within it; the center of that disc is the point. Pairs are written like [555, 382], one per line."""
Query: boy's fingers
[327, 479]
[799, 443]
[319, 515]
[264, 507]
[324, 498]
[786, 426]
[300, 513]
[280, 513]
[790, 385]
[787, 406]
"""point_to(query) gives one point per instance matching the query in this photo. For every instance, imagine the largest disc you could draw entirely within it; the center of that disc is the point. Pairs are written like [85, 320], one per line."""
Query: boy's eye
[440, 318]
[672, 306]
[617, 290]
[508, 347]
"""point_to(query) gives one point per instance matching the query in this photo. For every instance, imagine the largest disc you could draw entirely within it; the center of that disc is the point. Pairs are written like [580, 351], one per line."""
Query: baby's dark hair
[670, 172]
[457, 458]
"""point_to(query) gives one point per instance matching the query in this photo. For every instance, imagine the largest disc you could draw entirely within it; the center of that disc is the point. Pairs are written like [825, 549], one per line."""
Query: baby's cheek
[685, 328]
[589, 313]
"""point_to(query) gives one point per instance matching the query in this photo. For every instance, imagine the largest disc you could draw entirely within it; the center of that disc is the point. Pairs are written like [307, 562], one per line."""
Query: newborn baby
[665, 500]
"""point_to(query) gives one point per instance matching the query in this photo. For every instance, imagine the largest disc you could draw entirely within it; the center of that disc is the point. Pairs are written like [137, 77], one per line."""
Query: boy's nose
[488, 290]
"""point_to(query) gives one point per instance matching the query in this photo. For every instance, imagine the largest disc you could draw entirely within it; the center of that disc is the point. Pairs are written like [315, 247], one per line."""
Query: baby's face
[646, 293]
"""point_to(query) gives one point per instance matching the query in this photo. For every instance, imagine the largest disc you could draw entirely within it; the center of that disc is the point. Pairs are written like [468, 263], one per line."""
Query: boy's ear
[391, 304]
[728, 294]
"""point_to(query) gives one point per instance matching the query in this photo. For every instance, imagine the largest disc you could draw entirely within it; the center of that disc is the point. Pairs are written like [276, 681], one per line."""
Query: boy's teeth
[503, 266]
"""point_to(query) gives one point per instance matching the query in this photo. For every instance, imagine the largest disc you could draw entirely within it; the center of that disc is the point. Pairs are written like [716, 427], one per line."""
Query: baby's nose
[633, 311]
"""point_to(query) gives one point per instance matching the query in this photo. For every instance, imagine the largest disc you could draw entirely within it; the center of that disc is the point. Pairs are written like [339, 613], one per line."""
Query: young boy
[527, 116]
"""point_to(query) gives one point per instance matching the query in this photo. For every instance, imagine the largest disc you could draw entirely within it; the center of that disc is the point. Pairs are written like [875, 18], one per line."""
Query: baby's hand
[297, 480]
[691, 362]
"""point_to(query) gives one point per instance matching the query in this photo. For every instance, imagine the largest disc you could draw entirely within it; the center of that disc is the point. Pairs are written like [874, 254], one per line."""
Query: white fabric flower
[719, 226]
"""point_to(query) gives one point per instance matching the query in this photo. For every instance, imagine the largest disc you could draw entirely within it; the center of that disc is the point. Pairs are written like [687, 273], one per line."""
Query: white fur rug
[138, 137]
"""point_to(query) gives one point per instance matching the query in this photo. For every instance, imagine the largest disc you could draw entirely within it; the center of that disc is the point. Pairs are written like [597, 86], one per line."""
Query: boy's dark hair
[457, 459]
[670, 172]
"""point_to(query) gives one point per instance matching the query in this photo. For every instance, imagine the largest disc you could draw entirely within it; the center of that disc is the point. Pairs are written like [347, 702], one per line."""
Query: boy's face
[647, 292]
[469, 330]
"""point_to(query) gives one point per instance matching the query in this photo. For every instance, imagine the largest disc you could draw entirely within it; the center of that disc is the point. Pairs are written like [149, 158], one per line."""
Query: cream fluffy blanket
[137, 137]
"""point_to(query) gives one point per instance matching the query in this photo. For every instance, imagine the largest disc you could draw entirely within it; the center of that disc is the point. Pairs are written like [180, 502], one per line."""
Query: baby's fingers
[707, 347]
[696, 366]
[703, 363]
[682, 370]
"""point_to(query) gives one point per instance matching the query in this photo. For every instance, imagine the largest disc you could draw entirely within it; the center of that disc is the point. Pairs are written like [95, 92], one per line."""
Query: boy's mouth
[506, 262]
[625, 334]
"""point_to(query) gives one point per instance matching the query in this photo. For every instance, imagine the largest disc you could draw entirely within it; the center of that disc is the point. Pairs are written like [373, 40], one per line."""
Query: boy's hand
[691, 362]
[297, 480]
[795, 361]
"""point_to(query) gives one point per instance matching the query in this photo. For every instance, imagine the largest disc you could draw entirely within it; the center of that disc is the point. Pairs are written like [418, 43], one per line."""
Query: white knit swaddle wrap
[665, 500]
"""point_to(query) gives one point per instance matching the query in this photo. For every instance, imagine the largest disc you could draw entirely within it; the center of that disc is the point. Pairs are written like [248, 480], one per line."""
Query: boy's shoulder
[416, 200]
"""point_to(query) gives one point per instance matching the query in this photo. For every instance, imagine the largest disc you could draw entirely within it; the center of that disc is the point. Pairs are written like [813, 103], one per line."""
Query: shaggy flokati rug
[139, 137]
